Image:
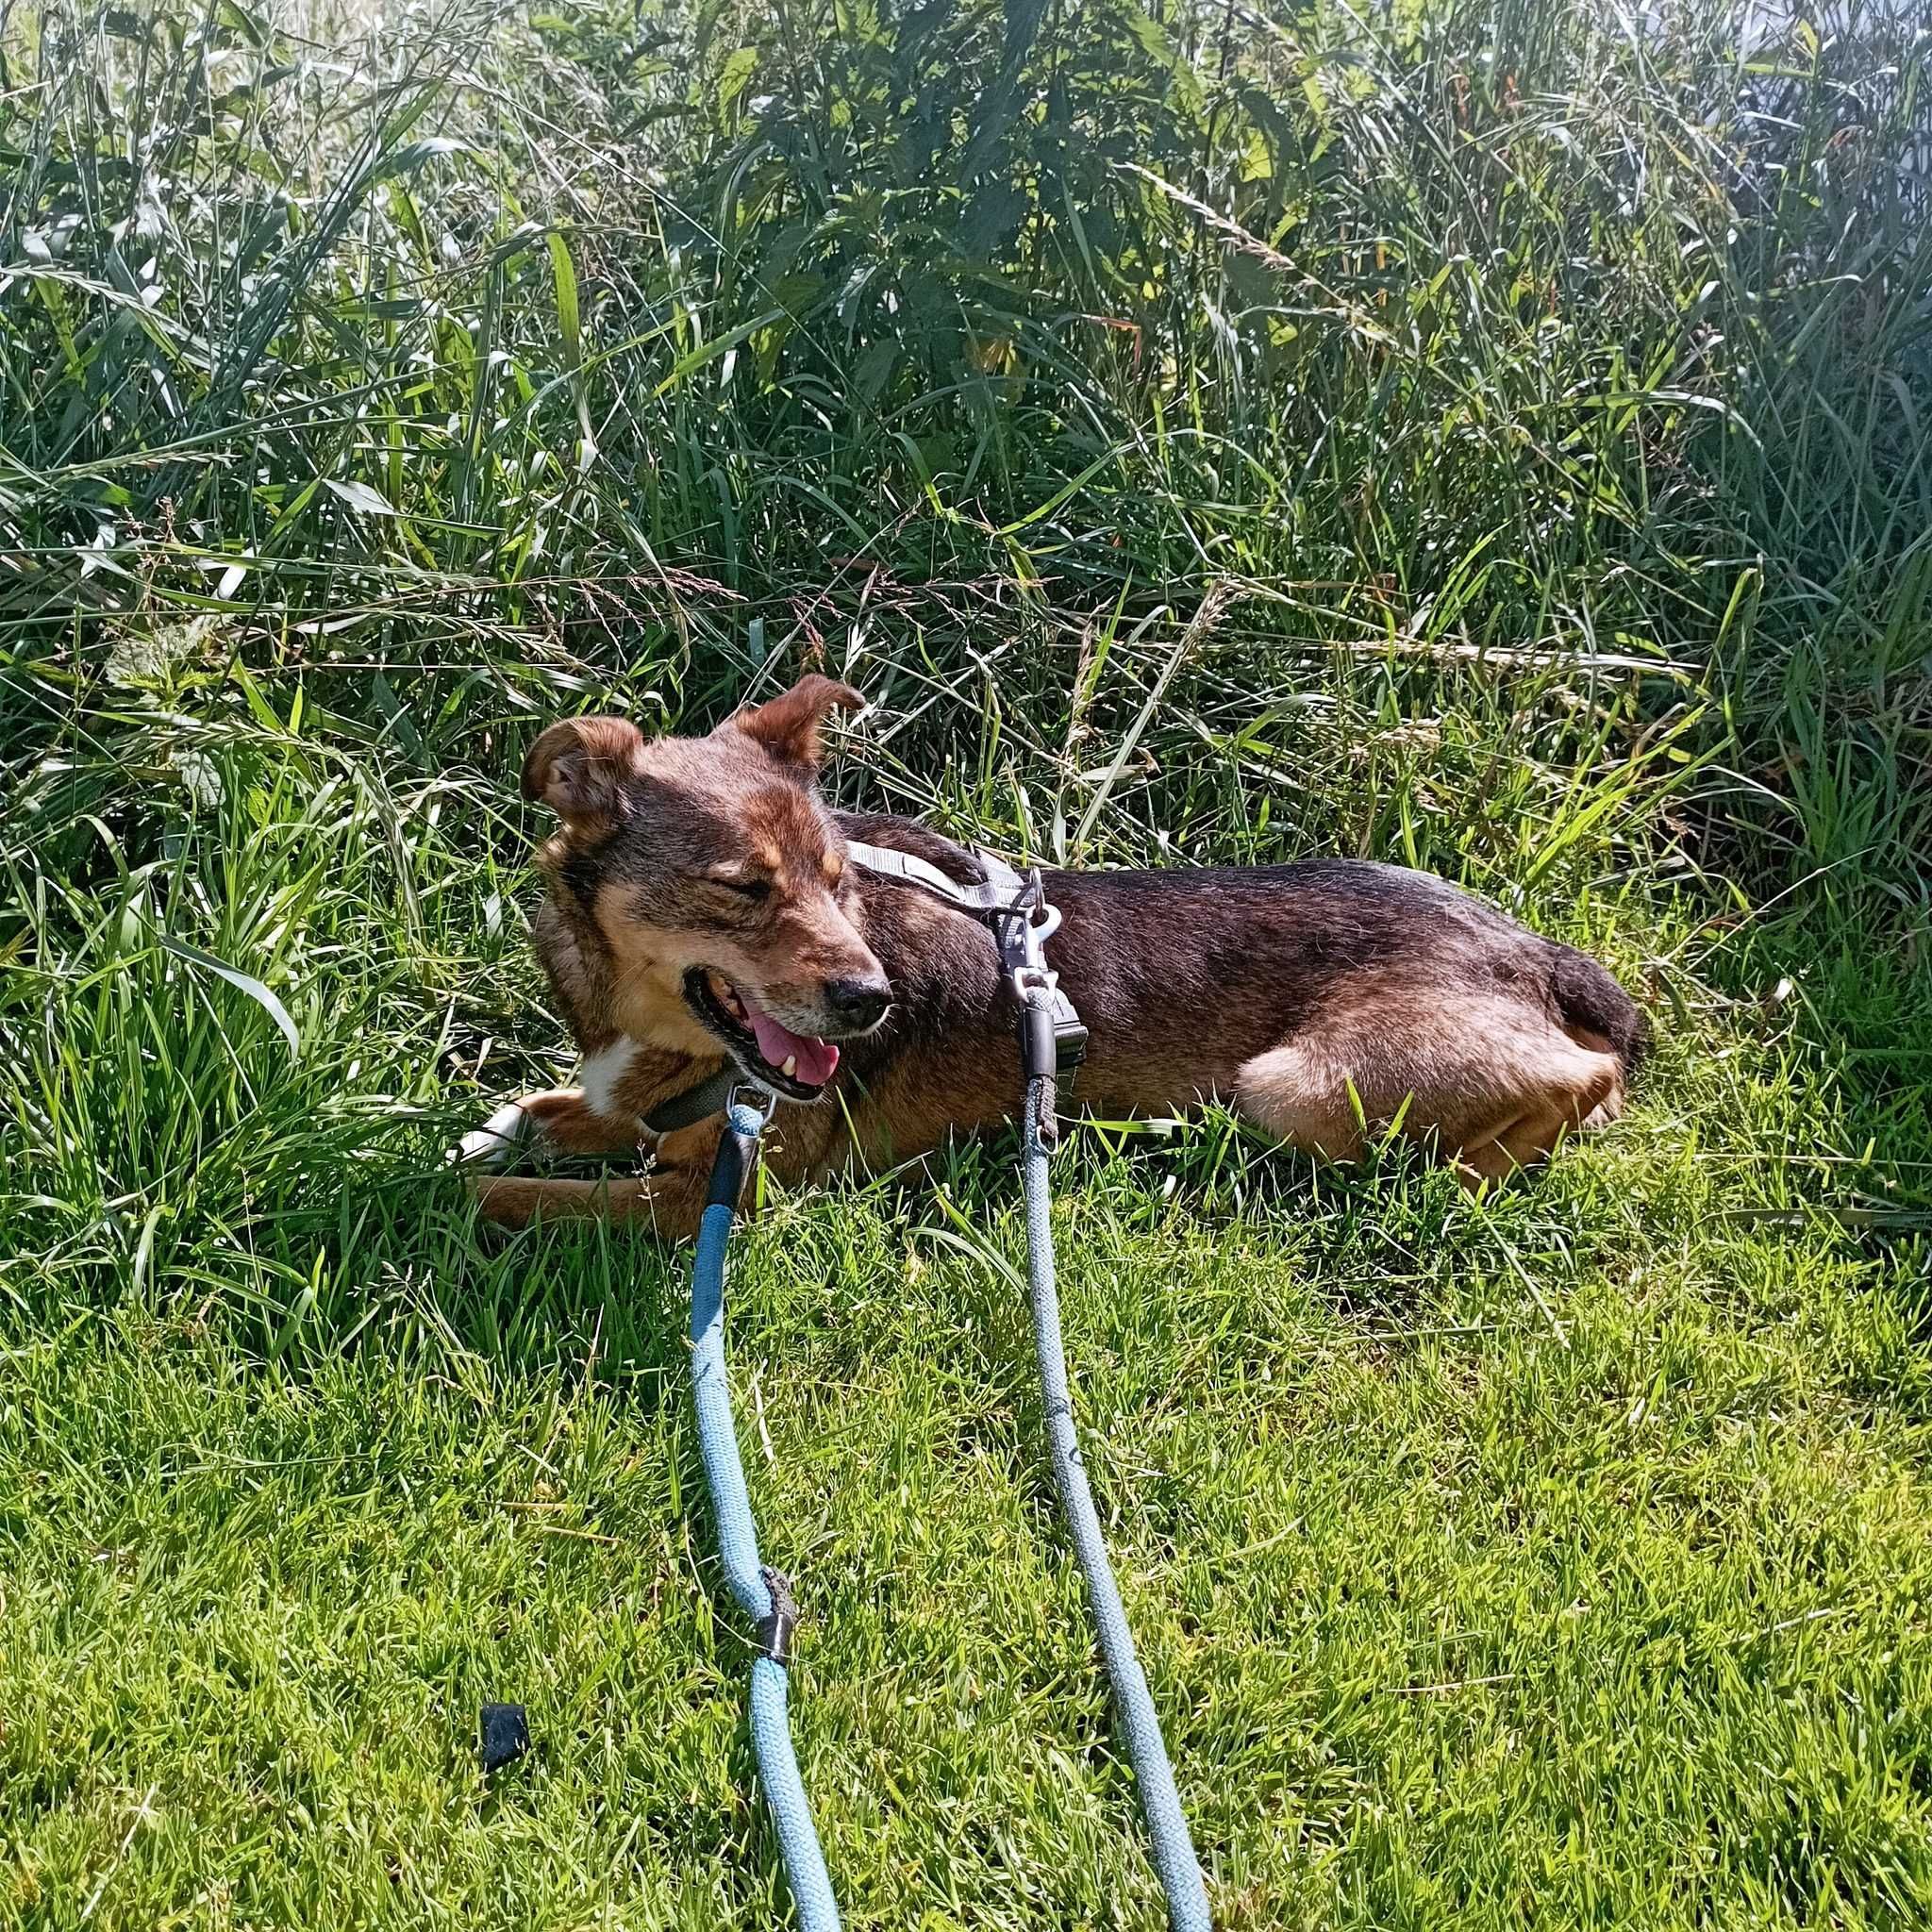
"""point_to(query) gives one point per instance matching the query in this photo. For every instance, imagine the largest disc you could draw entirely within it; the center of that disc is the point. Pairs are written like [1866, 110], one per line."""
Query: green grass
[1488, 439]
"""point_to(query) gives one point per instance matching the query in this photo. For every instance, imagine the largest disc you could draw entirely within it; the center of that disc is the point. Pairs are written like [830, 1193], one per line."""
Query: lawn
[1491, 439]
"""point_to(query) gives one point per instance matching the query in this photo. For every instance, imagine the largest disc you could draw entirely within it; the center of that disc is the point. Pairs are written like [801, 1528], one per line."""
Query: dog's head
[711, 865]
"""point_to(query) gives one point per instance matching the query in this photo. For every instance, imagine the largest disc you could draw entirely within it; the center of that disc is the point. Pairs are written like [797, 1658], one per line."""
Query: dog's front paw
[495, 1143]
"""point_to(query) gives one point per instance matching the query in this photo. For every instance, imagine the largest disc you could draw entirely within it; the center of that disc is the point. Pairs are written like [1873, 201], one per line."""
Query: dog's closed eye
[741, 883]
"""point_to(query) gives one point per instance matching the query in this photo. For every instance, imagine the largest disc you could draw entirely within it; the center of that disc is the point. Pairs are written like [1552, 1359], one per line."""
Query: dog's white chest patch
[602, 1070]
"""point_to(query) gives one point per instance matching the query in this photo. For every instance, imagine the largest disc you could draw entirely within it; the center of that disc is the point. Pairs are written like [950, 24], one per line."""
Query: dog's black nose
[858, 1003]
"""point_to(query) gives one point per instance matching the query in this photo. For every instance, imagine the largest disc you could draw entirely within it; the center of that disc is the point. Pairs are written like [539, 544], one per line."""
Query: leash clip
[1024, 928]
[1052, 1040]
[755, 1095]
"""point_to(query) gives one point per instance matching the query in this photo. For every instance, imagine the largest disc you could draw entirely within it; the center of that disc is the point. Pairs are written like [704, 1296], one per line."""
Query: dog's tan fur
[1326, 1001]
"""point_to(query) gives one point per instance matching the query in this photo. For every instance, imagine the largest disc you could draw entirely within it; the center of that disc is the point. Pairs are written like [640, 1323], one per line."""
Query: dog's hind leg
[1494, 1084]
[1299, 1093]
[1583, 1089]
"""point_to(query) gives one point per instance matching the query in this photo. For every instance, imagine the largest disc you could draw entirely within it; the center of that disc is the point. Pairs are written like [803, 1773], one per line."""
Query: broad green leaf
[243, 982]
[564, 274]
[360, 496]
[734, 76]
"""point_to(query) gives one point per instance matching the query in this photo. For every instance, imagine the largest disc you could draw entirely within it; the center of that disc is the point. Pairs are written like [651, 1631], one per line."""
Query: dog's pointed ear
[788, 726]
[580, 766]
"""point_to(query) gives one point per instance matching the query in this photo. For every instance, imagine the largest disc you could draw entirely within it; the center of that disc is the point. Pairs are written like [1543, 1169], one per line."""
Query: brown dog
[701, 912]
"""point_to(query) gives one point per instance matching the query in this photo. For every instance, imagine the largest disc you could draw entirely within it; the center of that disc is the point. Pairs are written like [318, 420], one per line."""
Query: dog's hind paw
[495, 1143]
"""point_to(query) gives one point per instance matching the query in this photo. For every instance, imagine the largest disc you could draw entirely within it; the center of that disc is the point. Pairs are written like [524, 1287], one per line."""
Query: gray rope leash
[1174, 1857]
[1052, 1043]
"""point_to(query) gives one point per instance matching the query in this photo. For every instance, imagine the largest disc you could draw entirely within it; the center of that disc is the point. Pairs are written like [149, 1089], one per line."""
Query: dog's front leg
[670, 1196]
[563, 1117]
[669, 1200]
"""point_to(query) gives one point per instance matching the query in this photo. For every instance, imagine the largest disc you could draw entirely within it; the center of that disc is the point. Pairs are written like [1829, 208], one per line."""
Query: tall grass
[1494, 436]
[1523, 349]
[1490, 439]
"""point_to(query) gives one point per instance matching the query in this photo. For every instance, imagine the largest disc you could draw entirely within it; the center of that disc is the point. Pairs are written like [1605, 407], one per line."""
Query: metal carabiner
[1036, 921]
[762, 1100]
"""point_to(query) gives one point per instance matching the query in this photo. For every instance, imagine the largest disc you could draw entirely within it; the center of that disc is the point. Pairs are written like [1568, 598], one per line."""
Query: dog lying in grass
[701, 911]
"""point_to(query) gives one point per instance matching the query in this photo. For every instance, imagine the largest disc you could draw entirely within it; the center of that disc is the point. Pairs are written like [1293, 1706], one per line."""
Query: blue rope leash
[763, 1595]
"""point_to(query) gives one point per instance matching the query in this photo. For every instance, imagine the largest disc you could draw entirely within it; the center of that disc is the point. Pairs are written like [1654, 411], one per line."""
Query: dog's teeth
[791, 1067]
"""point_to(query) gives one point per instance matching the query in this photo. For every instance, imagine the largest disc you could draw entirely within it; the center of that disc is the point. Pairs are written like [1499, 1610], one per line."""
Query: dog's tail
[1588, 999]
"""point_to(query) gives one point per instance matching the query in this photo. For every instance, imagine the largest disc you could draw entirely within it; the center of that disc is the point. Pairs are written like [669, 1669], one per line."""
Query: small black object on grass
[506, 1735]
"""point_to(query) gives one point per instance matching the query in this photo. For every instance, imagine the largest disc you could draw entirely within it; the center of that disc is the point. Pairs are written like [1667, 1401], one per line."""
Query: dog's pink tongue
[818, 1059]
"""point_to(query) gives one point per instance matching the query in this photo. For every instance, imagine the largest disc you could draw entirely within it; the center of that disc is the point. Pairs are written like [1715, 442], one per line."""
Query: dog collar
[695, 1104]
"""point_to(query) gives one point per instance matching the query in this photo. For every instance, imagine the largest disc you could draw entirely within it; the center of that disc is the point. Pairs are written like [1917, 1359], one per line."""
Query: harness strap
[1020, 921]
[993, 893]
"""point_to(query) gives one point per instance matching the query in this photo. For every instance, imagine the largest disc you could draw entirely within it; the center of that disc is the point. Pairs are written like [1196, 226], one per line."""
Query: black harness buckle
[1069, 1047]
[1052, 1041]
[775, 1631]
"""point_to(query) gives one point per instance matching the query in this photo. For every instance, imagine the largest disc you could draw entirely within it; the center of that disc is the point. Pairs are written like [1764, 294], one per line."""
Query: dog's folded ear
[580, 766]
[788, 726]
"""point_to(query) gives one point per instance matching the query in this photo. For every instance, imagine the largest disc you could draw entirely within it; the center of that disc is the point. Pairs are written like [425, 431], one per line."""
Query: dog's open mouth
[797, 1064]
